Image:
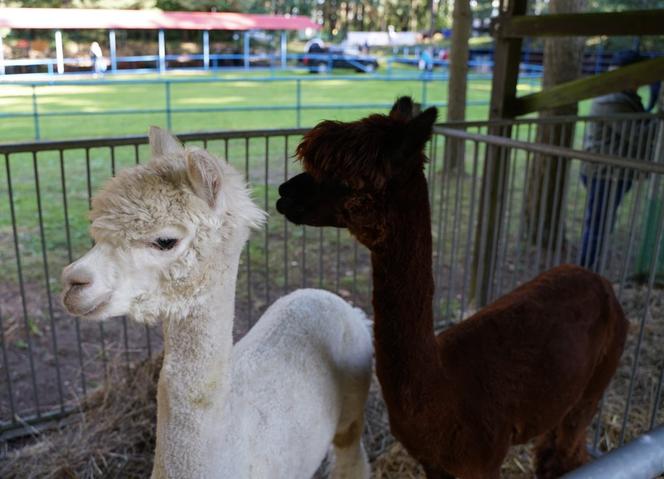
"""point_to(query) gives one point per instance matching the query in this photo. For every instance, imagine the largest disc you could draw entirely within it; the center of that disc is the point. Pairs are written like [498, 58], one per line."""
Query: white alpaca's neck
[195, 378]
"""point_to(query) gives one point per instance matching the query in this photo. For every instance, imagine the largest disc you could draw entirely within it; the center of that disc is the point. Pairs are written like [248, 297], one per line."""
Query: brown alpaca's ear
[162, 142]
[204, 175]
[419, 130]
[402, 109]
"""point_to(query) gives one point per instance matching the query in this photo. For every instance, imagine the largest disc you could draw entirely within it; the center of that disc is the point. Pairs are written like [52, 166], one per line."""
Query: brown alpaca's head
[353, 171]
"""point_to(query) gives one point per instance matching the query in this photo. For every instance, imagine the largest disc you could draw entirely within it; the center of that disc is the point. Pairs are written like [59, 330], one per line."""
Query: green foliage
[202, 5]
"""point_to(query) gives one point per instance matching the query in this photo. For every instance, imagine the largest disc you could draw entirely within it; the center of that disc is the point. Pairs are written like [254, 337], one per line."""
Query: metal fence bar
[267, 229]
[522, 225]
[455, 232]
[658, 399]
[102, 335]
[285, 178]
[469, 236]
[248, 245]
[8, 377]
[640, 459]
[70, 257]
[298, 103]
[47, 277]
[148, 338]
[35, 113]
[552, 150]
[168, 110]
[644, 317]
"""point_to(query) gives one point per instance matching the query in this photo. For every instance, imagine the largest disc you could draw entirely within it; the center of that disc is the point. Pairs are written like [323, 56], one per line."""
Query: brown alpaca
[533, 364]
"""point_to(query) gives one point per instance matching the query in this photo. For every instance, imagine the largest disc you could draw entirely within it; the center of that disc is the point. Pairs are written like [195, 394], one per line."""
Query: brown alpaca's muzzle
[304, 201]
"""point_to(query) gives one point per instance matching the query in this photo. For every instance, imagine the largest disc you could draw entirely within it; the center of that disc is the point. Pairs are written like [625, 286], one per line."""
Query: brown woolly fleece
[532, 365]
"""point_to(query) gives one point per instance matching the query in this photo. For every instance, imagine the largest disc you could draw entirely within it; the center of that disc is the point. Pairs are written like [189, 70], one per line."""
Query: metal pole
[169, 120]
[424, 92]
[111, 46]
[642, 458]
[2, 57]
[298, 99]
[162, 52]
[35, 112]
[283, 50]
[246, 49]
[206, 49]
[59, 53]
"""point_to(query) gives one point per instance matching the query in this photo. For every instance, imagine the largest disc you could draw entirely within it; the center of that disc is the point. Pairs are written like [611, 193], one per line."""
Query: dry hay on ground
[114, 435]
[396, 463]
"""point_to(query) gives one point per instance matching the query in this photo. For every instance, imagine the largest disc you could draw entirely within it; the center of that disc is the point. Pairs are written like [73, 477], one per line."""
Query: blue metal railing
[169, 109]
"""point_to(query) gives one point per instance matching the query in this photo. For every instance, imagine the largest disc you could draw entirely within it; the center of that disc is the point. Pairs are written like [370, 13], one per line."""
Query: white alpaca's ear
[162, 143]
[204, 175]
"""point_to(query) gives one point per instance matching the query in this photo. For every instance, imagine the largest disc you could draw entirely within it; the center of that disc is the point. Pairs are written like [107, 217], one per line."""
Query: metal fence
[172, 101]
[50, 360]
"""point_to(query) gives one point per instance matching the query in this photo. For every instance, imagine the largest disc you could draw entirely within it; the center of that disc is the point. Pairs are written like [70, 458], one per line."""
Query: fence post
[169, 122]
[112, 49]
[424, 92]
[2, 58]
[246, 49]
[35, 112]
[162, 52]
[206, 49]
[283, 50]
[298, 100]
[507, 56]
[59, 55]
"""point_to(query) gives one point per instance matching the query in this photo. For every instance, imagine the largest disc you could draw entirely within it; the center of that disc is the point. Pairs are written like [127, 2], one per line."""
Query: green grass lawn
[320, 98]
[65, 233]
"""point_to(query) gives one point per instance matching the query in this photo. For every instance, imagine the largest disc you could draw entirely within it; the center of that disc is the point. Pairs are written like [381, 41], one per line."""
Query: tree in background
[563, 60]
[457, 86]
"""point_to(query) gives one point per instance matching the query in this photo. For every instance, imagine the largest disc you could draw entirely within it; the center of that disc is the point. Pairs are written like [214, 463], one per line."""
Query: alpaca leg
[433, 473]
[564, 449]
[350, 457]
[561, 450]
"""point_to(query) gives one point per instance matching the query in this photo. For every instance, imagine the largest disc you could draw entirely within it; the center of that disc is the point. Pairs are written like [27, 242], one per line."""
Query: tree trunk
[547, 176]
[432, 19]
[457, 86]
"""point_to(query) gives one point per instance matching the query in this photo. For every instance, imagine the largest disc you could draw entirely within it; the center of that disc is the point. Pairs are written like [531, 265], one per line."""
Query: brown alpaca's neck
[403, 294]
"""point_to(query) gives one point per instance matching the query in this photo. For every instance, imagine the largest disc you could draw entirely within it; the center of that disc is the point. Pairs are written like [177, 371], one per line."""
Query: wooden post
[491, 208]
[59, 53]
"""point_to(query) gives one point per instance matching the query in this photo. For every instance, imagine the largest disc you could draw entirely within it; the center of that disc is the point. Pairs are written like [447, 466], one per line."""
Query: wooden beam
[637, 22]
[506, 59]
[637, 74]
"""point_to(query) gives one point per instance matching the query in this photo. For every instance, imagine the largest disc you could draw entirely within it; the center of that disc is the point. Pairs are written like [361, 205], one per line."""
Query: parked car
[321, 58]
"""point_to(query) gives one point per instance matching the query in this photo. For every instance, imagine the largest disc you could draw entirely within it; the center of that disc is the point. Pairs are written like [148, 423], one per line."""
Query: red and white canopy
[74, 18]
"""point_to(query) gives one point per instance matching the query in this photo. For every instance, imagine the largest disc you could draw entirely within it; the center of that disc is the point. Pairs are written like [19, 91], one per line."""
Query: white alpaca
[168, 238]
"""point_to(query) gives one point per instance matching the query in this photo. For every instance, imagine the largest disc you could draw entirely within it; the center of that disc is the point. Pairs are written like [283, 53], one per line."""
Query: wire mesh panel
[51, 360]
[556, 205]
[542, 213]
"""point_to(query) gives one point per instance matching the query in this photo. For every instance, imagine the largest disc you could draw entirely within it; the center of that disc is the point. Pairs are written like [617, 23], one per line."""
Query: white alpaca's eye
[164, 244]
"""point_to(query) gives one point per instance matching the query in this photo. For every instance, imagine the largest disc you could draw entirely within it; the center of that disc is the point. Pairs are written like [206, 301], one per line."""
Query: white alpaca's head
[162, 232]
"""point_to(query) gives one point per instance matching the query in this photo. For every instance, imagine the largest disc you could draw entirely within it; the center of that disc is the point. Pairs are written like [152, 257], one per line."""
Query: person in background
[97, 58]
[606, 185]
[426, 60]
